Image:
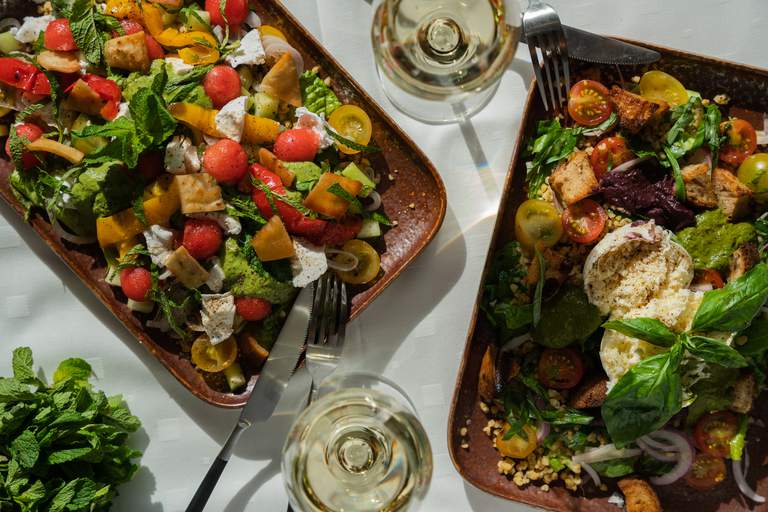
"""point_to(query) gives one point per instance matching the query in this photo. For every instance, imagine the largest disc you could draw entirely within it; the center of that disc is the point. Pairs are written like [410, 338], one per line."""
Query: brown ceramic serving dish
[412, 193]
[748, 88]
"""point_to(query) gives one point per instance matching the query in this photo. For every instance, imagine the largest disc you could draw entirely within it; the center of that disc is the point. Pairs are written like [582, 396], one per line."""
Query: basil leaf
[645, 398]
[678, 175]
[646, 329]
[733, 307]
[553, 143]
[511, 316]
[712, 130]
[757, 339]
[714, 351]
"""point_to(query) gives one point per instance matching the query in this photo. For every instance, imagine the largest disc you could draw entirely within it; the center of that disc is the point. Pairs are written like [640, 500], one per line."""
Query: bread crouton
[743, 259]
[732, 195]
[574, 179]
[128, 52]
[635, 111]
[590, 394]
[698, 186]
[744, 393]
[639, 495]
[486, 382]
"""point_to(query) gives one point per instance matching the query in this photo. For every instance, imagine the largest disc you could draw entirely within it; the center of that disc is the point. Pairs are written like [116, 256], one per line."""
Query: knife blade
[266, 392]
[589, 47]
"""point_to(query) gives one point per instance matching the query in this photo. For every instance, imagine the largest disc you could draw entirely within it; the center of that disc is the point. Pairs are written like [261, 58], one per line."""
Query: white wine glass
[440, 61]
[359, 447]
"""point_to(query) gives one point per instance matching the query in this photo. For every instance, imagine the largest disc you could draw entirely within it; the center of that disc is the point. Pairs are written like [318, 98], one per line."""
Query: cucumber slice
[8, 43]
[353, 172]
[266, 105]
[89, 144]
[369, 229]
[195, 19]
[141, 306]
[235, 377]
[112, 277]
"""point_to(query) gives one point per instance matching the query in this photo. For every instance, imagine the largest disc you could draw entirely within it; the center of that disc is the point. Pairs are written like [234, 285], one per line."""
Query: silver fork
[326, 333]
[545, 36]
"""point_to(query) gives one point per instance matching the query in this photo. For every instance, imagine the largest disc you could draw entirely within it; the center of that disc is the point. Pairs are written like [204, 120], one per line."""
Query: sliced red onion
[653, 443]
[274, 46]
[542, 431]
[350, 260]
[66, 235]
[605, 452]
[375, 197]
[661, 455]
[630, 164]
[9, 23]
[558, 204]
[684, 460]
[591, 472]
[516, 342]
[740, 468]
[702, 287]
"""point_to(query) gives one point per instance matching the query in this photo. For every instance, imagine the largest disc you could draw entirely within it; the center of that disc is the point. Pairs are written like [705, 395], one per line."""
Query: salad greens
[64, 444]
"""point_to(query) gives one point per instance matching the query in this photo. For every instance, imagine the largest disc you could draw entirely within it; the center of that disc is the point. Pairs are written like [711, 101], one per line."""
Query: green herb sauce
[712, 241]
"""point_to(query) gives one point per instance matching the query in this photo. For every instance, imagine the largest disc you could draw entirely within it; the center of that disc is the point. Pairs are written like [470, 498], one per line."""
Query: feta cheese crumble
[30, 30]
[218, 316]
[215, 276]
[308, 263]
[179, 66]
[181, 156]
[250, 52]
[316, 123]
[230, 120]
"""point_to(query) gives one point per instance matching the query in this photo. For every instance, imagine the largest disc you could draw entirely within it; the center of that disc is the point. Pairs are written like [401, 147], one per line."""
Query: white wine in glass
[440, 61]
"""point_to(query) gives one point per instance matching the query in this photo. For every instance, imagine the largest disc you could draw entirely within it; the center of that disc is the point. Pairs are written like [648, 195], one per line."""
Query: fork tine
[532, 45]
[554, 51]
[318, 303]
[341, 314]
[547, 61]
[565, 61]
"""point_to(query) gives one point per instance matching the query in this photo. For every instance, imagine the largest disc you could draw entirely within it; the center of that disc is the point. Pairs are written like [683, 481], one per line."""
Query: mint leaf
[352, 144]
[69, 455]
[82, 22]
[151, 117]
[74, 368]
[22, 366]
[25, 450]
[380, 217]
[138, 209]
[339, 191]
[11, 390]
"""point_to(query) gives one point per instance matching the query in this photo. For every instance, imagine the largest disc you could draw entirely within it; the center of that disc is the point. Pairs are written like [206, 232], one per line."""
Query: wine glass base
[436, 112]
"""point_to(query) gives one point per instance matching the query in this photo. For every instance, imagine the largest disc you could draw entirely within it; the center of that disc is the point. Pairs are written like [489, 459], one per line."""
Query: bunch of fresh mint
[62, 447]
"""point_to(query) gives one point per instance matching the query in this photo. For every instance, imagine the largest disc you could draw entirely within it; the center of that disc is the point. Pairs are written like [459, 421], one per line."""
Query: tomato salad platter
[196, 169]
[619, 346]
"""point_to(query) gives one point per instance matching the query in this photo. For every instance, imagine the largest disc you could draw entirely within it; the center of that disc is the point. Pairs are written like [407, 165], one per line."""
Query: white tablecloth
[414, 333]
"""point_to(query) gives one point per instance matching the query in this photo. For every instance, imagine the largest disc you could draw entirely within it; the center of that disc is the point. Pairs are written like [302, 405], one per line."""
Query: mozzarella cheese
[229, 224]
[218, 316]
[215, 276]
[308, 119]
[159, 244]
[250, 52]
[230, 120]
[30, 30]
[181, 156]
[179, 66]
[308, 262]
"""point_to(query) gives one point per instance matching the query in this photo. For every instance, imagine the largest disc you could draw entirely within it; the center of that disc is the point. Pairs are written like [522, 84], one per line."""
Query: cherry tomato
[537, 223]
[706, 472]
[714, 431]
[213, 358]
[741, 141]
[333, 233]
[710, 276]
[17, 73]
[108, 91]
[297, 145]
[753, 172]
[659, 86]
[227, 161]
[222, 85]
[30, 132]
[519, 446]
[58, 36]
[136, 283]
[154, 50]
[368, 262]
[151, 165]
[129, 27]
[584, 221]
[42, 86]
[560, 368]
[608, 154]
[351, 122]
[235, 11]
[252, 309]
[202, 238]
[588, 103]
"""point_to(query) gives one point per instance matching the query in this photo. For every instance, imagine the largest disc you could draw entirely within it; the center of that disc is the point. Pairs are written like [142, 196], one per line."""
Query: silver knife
[589, 47]
[266, 393]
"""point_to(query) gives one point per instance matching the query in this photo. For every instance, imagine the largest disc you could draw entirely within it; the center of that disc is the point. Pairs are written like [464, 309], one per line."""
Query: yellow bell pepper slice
[260, 130]
[196, 117]
[175, 39]
[269, 30]
[124, 9]
[125, 246]
[199, 55]
[68, 153]
[153, 19]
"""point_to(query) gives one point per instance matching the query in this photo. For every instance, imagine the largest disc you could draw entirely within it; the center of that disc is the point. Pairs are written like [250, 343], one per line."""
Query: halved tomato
[518, 446]
[711, 276]
[214, 358]
[588, 103]
[706, 472]
[560, 368]
[584, 221]
[741, 141]
[609, 153]
[713, 433]
[657, 85]
[351, 122]
[537, 224]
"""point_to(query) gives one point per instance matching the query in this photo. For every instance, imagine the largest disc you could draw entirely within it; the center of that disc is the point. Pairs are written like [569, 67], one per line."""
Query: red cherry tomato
[560, 368]
[714, 431]
[297, 145]
[17, 73]
[338, 233]
[584, 221]
[154, 50]
[58, 36]
[588, 103]
[30, 132]
[222, 85]
[608, 154]
[740, 143]
[202, 238]
[42, 86]
[151, 165]
[706, 472]
[252, 309]
[226, 161]
[108, 91]
[710, 276]
[235, 10]
[136, 283]
[129, 27]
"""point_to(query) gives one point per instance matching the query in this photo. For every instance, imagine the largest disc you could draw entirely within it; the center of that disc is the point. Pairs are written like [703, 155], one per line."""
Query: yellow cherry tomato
[520, 445]
[368, 263]
[538, 224]
[269, 30]
[214, 358]
[659, 86]
[352, 123]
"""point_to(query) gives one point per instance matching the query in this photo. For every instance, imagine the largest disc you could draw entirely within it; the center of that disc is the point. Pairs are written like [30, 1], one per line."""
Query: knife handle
[207, 486]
